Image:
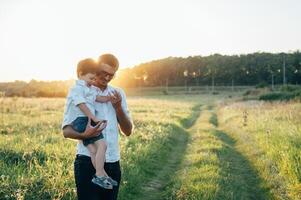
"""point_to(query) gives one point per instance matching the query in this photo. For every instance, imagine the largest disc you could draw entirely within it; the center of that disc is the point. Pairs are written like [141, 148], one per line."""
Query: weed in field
[271, 140]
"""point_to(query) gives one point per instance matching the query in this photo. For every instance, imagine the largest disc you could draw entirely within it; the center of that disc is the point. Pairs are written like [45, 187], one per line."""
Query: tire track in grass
[154, 189]
[238, 178]
[213, 168]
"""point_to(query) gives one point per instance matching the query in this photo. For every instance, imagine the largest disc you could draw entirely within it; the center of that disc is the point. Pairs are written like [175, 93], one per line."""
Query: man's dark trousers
[83, 173]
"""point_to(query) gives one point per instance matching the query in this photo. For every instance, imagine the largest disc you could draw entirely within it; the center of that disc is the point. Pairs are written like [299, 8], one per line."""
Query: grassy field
[269, 135]
[183, 147]
[36, 162]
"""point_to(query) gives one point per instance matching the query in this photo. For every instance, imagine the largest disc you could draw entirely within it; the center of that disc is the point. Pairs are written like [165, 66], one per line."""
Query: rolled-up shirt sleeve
[124, 104]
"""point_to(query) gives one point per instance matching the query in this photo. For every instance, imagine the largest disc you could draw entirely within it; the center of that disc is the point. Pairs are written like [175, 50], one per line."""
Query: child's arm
[78, 97]
[103, 99]
[84, 108]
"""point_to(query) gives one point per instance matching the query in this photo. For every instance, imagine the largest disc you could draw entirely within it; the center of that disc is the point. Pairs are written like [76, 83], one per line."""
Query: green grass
[271, 140]
[223, 149]
[36, 162]
[190, 120]
[213, 168]
[213, 118]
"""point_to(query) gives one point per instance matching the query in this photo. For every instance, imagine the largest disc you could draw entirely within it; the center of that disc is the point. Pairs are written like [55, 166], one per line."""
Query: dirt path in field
[154, 189]
[234, 177]
[237, 175]
[213, 167]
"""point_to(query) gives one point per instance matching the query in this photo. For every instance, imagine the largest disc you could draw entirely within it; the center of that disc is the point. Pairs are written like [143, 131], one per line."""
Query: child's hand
[103, 99]
[94, 119]
[112, 98]
[98, 120]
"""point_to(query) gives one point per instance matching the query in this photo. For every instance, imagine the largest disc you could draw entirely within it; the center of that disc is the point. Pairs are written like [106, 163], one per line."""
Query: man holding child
[115, 115]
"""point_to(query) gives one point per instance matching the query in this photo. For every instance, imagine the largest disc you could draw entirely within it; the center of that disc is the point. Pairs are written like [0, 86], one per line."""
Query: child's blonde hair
[86, 66]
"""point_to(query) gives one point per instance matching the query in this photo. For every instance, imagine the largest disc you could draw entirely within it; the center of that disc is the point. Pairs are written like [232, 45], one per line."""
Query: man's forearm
[69, 132]
[125, 123]
[91, 131]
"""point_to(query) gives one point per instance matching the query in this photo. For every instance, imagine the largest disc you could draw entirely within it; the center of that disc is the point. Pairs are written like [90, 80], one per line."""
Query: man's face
[105, 75]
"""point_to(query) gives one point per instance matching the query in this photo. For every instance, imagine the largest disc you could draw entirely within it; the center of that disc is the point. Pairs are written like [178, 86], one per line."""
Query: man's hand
[93, 131]
[123, 119]
[116, 100]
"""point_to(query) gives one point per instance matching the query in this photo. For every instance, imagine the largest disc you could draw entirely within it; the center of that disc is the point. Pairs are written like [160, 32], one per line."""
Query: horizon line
[124, 68]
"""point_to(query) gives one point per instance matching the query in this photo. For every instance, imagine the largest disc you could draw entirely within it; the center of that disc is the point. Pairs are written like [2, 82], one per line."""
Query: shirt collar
[105, 91]
[81, 82]
[84, 83]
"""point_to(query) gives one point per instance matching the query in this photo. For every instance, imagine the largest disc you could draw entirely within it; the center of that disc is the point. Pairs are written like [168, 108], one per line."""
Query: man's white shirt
[111, 132]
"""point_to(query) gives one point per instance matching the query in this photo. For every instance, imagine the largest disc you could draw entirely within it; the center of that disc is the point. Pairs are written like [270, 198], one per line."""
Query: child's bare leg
[101, 147]
[92, 149]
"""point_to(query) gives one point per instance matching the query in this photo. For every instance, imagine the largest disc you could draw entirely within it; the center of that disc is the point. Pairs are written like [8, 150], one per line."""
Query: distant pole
[185, 73]
[284, 78]
[232, 84]
[272, 81]
[198, 78]
[212, 84]
[296, 72]
[272, 74]
[166, 85]
[139, 89]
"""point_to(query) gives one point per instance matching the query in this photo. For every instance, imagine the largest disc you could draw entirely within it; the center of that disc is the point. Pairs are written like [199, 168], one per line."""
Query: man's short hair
[86, 66]
[109, 59]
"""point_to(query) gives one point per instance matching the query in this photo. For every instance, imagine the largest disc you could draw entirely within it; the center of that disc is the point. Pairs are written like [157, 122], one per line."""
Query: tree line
[246, 69]
[35, 88]
[221, 70]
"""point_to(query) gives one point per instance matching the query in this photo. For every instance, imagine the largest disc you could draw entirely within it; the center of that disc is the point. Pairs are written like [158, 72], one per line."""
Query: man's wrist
[118, 109]
[82, 136]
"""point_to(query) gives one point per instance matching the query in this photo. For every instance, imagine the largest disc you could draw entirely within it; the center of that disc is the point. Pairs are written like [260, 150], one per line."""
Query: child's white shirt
[111, 132]
[79, 93]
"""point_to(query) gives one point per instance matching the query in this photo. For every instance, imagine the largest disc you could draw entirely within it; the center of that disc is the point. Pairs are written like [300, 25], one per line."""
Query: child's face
[89, 78]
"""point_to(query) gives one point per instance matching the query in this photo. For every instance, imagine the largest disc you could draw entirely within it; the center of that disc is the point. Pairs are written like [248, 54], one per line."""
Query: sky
[44, 40]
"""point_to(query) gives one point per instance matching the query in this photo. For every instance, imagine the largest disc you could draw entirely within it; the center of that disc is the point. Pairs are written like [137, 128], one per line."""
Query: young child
[80, 107]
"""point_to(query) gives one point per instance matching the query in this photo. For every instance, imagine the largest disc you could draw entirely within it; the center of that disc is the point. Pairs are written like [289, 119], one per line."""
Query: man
[116, 113]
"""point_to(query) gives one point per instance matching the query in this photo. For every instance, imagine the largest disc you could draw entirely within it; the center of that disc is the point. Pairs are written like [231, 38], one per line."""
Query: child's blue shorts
[80, 124]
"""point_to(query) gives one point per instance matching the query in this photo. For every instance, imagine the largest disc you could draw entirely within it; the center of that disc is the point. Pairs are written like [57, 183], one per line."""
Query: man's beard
[101, 84]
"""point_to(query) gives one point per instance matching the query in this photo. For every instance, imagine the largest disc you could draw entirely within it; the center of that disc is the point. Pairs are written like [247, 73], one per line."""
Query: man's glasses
[105, 74]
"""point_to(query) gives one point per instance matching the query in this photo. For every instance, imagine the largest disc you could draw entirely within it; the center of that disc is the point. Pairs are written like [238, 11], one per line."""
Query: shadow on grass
[147, 176]
[213, 119]
[239, 180]
[37, 188]
[10, 157]
[153, 170]
[191, 119]
[21, 177]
